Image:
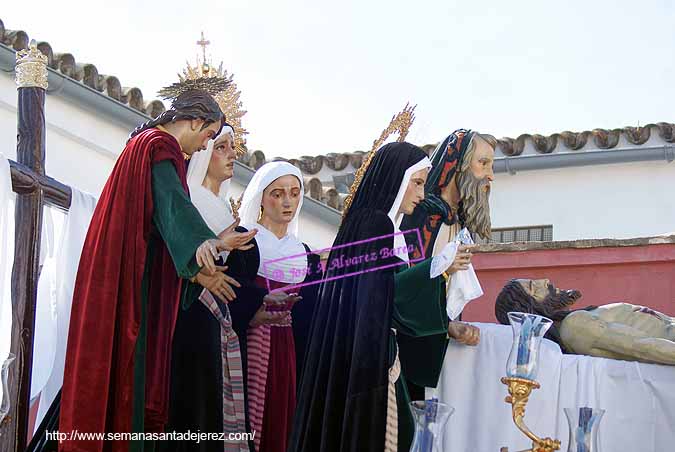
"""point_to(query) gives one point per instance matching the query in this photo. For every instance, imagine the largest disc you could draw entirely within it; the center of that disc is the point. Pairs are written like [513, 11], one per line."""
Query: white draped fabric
[6, 259]
[215, 210]
[44, 343]
[639, 399]
[55, 296]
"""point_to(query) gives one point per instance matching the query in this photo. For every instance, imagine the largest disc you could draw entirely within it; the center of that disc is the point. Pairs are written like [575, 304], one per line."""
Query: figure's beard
[555, 304]
[475, 203]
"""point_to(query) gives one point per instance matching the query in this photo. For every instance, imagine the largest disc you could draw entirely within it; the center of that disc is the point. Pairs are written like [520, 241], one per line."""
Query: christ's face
[221, 166]
[281, 199]
[414, 193]
[538, 289]
[544, 291]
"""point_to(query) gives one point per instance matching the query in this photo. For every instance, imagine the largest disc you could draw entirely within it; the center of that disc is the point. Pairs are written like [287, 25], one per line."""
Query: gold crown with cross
[217, 82]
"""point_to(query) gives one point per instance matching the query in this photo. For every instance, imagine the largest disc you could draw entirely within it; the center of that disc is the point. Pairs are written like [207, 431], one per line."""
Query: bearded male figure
[457, 191]
[617, 331]
[456, 195]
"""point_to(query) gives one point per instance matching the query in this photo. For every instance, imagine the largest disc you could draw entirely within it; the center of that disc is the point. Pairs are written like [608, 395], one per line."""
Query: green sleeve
[421, 323]
[190, 293]
[178, 221]
[419, 302]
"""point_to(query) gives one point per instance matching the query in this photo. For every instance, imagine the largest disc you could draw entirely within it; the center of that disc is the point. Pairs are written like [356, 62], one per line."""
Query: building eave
[63, 86]
[512, 165]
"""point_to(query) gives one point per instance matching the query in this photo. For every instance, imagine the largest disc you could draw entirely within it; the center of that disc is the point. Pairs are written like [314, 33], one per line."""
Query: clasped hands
[228, 240]
[212, 276]
[276, 318]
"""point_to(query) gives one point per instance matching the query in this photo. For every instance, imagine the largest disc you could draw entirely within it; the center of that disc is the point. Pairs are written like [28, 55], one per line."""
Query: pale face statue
[474, 183]
[198, 136]
[414, 193]
[221, 166]
[539, 289]
[281, 199]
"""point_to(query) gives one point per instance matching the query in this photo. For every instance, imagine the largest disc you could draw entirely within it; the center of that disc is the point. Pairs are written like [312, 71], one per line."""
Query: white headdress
[399, 240]
[284, 259]
[252, 198]
[215, 210]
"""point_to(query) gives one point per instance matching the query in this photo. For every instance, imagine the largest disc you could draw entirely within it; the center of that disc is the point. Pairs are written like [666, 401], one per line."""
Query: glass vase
[431, 417]
[583, 424]
[528, 331]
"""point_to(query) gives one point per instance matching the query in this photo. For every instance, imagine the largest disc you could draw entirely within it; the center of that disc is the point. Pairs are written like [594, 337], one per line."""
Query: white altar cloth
[639, 399]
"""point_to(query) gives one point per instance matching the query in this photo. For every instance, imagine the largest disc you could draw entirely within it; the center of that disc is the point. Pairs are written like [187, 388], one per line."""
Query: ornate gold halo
[217, 82]
[400, 124]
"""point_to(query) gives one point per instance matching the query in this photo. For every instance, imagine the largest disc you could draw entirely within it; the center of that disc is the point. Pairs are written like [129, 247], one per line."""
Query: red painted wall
[643, 275]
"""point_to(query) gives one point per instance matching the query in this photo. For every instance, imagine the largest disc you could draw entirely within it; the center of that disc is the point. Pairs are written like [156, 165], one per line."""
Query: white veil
[284, 259]
[215, 210]
[266, 174]
[399, 240]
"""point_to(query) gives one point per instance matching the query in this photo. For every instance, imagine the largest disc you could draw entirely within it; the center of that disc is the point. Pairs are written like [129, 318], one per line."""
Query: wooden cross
[34, 190]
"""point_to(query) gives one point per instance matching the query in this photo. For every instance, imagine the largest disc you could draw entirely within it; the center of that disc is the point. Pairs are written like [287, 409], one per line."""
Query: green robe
[182, 229]
[421, 325]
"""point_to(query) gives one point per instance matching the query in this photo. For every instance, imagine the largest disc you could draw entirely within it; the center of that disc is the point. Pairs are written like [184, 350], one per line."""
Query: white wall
[607, 201]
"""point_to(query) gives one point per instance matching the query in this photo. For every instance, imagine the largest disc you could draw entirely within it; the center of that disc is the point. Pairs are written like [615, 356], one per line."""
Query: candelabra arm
[519, 393]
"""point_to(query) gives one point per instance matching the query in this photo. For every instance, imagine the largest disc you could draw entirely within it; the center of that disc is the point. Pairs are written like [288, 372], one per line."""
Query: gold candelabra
[519, 393]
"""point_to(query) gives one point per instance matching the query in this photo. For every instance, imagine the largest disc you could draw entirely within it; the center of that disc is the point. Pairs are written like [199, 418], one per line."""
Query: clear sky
[319, 77]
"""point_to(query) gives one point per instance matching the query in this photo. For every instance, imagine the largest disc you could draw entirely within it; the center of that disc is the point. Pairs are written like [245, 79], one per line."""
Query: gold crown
[218, 83]
[212, 85]
[221, 86]
[31, 67]
[400, 124]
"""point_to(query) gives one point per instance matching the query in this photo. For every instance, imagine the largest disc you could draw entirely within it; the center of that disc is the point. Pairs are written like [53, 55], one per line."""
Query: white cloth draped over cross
[6, 259]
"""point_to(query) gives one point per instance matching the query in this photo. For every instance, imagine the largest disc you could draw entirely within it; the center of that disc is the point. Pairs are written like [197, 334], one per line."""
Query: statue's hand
[464, 333]
[462, 259]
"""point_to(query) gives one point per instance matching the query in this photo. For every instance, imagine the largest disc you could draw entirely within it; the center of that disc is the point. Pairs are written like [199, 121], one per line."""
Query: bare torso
[621, 331]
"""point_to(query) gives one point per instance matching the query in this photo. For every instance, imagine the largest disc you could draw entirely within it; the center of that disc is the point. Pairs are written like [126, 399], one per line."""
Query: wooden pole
[31, 72]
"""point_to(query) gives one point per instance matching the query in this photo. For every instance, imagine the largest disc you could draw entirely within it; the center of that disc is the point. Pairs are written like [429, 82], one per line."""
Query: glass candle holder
[583, 424]
[528, 331]
[431, 418]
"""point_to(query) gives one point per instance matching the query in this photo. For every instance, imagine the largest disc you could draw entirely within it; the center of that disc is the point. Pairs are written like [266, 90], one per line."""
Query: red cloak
[97, 394]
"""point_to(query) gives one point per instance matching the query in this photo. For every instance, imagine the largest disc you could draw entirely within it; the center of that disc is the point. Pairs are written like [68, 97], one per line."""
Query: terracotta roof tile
[85, 73]
[511, 147]
[109, 85]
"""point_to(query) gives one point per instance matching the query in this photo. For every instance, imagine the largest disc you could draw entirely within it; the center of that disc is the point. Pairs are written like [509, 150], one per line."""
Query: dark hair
[193, 104]
[513, 298]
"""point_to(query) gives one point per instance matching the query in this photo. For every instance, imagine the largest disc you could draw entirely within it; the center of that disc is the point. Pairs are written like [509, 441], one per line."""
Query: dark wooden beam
[26, 181]
[25, 272]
